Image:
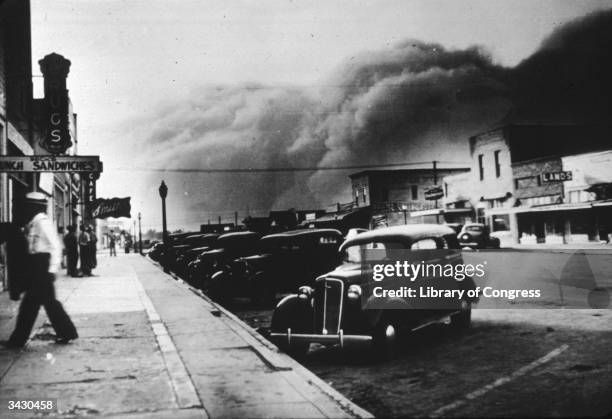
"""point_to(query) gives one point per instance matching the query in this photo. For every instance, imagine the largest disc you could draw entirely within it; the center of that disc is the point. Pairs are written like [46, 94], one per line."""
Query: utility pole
[139, 234]
[235, 219]
[435, 176]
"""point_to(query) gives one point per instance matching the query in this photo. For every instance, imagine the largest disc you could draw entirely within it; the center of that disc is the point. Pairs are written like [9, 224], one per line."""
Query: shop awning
[436, 211]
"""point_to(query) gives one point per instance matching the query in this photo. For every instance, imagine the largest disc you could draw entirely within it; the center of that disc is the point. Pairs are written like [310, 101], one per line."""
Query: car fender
[291, 312]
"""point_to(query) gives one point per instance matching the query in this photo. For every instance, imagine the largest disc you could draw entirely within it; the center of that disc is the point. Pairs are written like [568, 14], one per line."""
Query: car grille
[328, 305]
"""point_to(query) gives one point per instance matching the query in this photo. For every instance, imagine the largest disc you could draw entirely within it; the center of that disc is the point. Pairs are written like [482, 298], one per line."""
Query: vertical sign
[55, 70]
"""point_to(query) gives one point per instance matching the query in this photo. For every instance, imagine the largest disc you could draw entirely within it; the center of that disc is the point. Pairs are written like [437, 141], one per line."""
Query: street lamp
[139, 234]
[405, 209]
[163, 193]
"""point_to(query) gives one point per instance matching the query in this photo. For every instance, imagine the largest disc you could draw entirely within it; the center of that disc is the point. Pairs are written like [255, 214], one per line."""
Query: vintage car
[159, 251]
[174, 256]
[477, 236]
[227, 248]
[341, 308]
[285, 261]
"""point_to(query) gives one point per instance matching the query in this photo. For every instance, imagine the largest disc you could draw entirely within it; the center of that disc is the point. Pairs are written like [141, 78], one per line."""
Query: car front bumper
[327, 339]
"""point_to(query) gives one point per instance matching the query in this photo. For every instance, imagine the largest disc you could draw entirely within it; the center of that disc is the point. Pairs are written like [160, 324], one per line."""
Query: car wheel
[385, 341]
[463, 319]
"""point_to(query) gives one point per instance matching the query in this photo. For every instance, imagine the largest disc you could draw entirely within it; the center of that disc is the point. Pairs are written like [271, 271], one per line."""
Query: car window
[473, 228]
[357, 253]
[424, 244]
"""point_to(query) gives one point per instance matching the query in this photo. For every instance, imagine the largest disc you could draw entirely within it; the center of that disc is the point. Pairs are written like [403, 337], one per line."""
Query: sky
[132, 58]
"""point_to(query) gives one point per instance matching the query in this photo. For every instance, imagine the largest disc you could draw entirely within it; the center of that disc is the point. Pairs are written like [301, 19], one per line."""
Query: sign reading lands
[68, 164]
[114, 207]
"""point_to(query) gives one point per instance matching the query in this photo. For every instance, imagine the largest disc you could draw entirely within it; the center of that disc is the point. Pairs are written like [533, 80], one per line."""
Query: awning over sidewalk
[441, 211]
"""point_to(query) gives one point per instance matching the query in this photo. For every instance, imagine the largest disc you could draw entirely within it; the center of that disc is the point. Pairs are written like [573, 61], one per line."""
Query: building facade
[22, 125]
[401, 196]
[536, 184]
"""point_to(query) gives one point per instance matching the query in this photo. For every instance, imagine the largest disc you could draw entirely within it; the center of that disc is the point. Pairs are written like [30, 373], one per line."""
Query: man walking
[112, 243]
[71, 243]
[44, 258]
[84, 251]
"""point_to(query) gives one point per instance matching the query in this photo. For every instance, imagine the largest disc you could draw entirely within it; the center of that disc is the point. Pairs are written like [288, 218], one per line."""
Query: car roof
[302, 233]
[411, 232]
[239, 234]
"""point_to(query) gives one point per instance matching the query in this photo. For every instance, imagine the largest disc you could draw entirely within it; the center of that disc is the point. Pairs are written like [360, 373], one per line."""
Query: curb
[270, 354]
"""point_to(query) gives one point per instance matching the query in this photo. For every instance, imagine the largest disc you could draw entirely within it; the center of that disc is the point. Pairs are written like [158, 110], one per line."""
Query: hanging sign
[114, 207]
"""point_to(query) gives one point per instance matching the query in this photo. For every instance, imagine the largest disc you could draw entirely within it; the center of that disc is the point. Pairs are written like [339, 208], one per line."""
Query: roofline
[421, 170]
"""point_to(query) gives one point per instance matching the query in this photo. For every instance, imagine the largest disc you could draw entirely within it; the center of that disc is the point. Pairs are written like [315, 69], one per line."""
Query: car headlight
[354, 292]
[465, 237]
[305, 292]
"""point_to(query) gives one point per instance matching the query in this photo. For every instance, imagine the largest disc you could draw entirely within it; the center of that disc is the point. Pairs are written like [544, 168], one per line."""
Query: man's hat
[36, 198]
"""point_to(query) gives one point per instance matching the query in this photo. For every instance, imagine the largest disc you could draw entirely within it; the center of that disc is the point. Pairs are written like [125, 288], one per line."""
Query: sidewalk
[151, 347]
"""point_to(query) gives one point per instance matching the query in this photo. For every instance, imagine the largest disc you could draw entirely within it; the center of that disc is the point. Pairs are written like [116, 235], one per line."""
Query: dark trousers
[113, 250]
[73, 259]
[41, 292]
[85, 260]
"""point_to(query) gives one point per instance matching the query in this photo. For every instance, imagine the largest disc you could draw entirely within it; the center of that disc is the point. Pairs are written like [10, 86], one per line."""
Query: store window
[414, 190]
[501, 222]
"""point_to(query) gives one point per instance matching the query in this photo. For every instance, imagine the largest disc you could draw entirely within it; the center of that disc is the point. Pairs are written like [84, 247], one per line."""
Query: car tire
[385, 341]
[463, 319]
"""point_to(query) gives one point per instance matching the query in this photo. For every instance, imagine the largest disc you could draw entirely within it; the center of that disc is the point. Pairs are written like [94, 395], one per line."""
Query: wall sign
[556, 176]
[66, 164]
[434, 193]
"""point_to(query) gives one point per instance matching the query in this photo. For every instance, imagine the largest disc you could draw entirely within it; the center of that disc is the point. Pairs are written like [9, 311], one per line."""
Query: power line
[282, 169]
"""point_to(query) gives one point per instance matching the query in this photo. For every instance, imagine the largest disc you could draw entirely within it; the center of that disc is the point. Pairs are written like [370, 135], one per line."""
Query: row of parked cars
[324, 280]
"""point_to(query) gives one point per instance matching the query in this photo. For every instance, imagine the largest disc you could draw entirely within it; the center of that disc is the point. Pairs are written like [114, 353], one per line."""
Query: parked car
[305, 252]
[286, 260]
[477, 236]
[228, 247]
[340, 309]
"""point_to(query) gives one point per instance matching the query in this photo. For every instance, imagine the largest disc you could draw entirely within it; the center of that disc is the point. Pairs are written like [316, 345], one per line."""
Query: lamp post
[405, 209]
[163, 193]
[139, 234]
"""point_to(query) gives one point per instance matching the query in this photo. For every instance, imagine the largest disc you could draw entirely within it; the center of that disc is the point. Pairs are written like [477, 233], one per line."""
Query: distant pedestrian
[93, 246]
[71, 245]
[84, 251]
[112, 244]
[43, 261]
[60, 233]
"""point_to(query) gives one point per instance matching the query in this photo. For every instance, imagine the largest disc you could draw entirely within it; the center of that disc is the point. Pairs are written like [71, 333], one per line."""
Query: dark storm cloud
[413, 102]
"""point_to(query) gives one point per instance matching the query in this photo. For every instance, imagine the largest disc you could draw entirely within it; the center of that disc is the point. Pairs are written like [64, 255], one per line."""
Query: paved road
[539, 358]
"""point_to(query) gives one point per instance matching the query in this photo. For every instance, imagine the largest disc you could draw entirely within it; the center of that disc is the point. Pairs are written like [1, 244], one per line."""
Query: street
[536, 359]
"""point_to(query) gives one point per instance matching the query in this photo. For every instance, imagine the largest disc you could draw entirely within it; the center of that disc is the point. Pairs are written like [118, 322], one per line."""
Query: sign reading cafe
[57, 137]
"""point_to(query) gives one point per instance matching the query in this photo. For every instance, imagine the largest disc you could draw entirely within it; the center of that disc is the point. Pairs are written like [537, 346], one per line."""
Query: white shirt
[42, 238]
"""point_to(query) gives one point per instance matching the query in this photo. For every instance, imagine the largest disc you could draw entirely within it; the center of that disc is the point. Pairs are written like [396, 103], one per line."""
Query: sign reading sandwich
[67, 164]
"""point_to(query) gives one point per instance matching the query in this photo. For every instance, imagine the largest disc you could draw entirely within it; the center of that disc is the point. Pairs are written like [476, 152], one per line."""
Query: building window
[364, 193]
[501, 222]
[446, 189]
[357, 196]
[414, 191]
[497, 166]
[480, 166]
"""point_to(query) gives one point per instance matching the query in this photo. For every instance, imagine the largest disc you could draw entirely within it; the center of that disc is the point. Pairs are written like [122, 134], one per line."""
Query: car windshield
[358, 253]
[474, 228]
